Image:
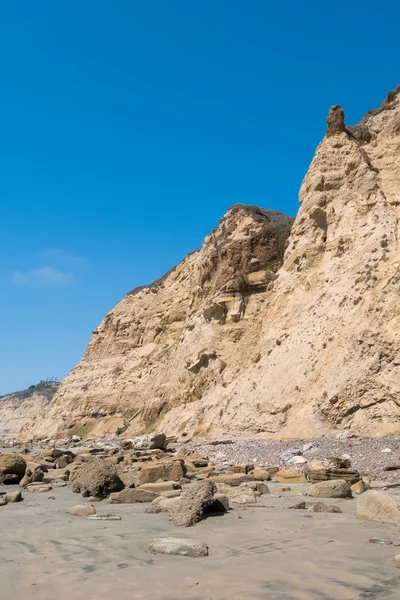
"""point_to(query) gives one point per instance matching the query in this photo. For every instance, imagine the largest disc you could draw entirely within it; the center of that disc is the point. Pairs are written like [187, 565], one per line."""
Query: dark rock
[192, 504]
[96, 478]
[335, 120]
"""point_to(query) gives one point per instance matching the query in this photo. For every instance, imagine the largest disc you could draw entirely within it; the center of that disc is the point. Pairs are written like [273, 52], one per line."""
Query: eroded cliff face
[228, 343]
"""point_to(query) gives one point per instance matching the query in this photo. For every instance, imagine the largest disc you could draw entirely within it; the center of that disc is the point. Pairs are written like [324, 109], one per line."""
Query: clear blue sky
[129, 127]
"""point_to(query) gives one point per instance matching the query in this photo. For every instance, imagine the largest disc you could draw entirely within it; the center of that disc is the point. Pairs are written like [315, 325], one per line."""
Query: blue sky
[128, 128]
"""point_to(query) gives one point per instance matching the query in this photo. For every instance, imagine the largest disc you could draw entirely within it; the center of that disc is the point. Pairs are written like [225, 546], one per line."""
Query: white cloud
[59, 255]
[41, 277]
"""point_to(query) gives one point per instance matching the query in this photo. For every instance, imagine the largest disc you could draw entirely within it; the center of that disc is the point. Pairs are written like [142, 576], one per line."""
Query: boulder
[168, 470]
[39, 487]
[317, 507]
[331, 468]
[132, 495]
[259, 488]
[243, 495]
[330, 489]
[289, 476]
[82, 510]
[96, 478]
[376, 506]
[162, 504]
[192, 503]
[12, 464]
[261, 474]
[13, 496]
[177, 546]
[360, 487]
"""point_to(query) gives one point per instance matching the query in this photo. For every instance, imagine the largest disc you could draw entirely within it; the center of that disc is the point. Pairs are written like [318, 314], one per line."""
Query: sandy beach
[262, 551]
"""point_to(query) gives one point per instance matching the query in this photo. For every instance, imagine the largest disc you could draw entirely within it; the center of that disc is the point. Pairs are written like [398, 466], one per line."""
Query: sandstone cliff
[230, 342]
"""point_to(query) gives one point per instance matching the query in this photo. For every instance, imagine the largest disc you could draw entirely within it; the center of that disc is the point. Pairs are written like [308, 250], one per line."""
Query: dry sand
[262, 551]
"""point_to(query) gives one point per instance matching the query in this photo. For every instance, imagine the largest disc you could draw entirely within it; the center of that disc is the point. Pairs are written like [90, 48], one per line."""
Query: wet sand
[256, 552]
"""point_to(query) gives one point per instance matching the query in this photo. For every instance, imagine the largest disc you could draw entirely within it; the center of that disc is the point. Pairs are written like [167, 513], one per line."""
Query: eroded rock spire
[335, 120]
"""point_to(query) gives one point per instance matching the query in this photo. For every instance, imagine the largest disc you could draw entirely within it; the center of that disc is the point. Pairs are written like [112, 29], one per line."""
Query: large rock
[360, 487]
[331, 468]
[262, 474]
[97, 478]
[376, 506]
[162, 504]
[12, 464]
[178, 546]
[330, 489]
[165, 470]
[192, 504]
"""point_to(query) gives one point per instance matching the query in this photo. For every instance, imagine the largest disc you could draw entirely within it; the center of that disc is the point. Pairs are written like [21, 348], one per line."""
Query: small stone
[386, 450]
[3, 502]
[380, 541]
[82, 510]
[396, 560]
[179, 547]
[297, 460]
[106, 517]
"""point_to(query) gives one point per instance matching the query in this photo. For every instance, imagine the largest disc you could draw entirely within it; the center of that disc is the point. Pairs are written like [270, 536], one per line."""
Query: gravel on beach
[369, 455]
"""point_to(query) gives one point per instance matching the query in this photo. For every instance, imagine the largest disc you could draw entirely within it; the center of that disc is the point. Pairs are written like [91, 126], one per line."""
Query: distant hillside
[18, 408]
[46, 388]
